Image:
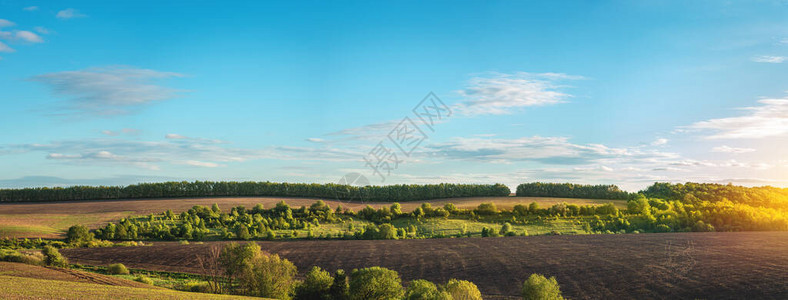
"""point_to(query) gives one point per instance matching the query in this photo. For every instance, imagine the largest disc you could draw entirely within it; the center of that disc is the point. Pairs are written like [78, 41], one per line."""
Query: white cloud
[107, 91]
[660, 141]
[127, 131]
[728, 149]
[69, 13]
[767, 120]
[769, 59]
[6, 23]
[41, 30]
[30, 8]
[173, 136]
[315, 140]
[546, 150]
[5, 48]
[197, 163]
[504, 93]
[29, 36]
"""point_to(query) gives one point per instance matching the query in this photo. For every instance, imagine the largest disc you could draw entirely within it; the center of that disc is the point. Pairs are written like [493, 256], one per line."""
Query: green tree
[462, 290]
[339, 288]
[488, 208]
[396, 209]
[375, 283]
[538, 287]
[316, 285]
[78, 234]
[52, 257]
[242, 232]
[506, 229]
[421, 290]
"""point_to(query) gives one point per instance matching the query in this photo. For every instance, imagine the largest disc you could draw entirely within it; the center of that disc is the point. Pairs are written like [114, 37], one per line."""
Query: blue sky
[616, 92]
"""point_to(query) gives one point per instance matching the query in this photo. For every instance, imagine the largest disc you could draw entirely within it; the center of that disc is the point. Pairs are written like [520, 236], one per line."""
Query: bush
[15, 256]
[78, 234]
[538, 287]
[117, 269]
[144, 280]
[462, 290]
[52, 257]
[258, 274]
[339, 288]
[486, 209]
[421, 290]
[506, 229]
[375, 283]
[316, 285]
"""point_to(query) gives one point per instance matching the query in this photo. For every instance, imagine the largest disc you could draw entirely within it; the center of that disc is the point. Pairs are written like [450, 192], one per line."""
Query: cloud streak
[771, 59]
[505, 93]
[769, 119]
[107, 91]
[69, 13]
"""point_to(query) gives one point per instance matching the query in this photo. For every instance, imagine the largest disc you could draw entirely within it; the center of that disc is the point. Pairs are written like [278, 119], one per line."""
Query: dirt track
[676, 265]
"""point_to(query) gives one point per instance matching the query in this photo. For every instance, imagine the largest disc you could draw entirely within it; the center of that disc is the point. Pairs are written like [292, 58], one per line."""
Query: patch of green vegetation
[171, 280]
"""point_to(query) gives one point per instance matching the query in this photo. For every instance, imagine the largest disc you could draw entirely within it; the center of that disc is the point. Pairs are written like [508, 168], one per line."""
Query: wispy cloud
[504, 93]
[204, 164]
[107, 91]
[734, 150]
[659, 142]
[41, 30]
[28, 36]
[766, 120]
[5, 48]
[30, 8]
[124, 131]
[546, 150]
[69, 13]
[6, 23]
[769, 59]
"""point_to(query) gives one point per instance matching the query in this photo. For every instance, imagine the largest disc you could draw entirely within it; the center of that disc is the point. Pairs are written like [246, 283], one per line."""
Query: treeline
[174, 189]
[571, 190]
[695, 193]
[247, 270]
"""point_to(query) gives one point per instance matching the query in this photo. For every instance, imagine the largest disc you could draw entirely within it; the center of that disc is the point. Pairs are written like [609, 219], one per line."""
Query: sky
[592, 92]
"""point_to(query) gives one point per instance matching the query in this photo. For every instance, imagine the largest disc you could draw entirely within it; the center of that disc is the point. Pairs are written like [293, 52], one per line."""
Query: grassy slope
[12, 287]
[50, 220]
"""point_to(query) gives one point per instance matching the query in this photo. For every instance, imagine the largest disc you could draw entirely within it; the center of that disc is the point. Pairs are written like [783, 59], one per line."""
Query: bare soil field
[51, 219]
[630, 266]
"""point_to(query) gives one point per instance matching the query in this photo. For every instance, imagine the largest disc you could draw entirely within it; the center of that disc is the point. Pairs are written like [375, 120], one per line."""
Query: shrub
[316, 285]
[486, 209]
[259, 274]
[52, 257]
[117, 269]
[144, 280]
[462, 290]
[506, 229]
[538, 287]
[78, 234]
[339, 288]
[421, 290]
[15, 256]
[375, 283]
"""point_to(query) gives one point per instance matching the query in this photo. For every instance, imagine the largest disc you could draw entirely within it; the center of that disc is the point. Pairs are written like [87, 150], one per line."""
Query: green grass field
[12, 287]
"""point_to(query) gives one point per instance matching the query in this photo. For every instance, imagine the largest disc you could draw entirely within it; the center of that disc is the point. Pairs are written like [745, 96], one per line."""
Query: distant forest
[173, 189]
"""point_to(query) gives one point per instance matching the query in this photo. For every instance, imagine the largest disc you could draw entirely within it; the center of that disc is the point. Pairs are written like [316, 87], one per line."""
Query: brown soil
[630, 266]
